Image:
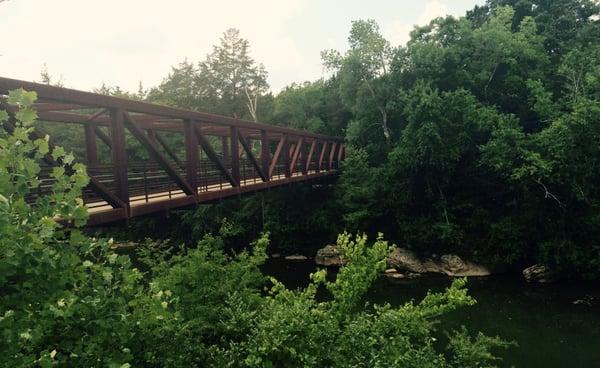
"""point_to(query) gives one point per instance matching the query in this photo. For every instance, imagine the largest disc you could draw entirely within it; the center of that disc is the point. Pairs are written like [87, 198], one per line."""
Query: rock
[539, 273]
[405, 260]
[296, 257]
[391, 270]
[395, 275]
[275, 255]
[587, 300]
[453, 265]
[448, 264]
[329, 256]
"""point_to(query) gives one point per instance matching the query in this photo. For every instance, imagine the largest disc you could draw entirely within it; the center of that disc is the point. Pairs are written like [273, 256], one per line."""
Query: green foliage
[495, 134]
[63, 295]
[70, 300]
[297, 328]
[228, 82]
[474, 352]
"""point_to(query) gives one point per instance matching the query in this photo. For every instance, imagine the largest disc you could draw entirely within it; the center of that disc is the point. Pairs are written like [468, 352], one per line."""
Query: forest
[479, 137]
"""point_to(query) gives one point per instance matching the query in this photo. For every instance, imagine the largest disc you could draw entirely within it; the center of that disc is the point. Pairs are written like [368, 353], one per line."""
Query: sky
[87, 43]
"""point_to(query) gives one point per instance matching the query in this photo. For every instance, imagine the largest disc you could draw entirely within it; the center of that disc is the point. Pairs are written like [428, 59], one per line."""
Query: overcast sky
[123, 42]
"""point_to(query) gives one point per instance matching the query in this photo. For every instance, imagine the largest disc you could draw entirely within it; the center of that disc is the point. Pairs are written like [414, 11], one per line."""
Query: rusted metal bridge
[144, 158]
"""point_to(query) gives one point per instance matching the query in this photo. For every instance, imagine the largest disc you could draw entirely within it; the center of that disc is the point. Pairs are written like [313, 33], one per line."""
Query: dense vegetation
[68, 299]
[479, 136]
[485, 138]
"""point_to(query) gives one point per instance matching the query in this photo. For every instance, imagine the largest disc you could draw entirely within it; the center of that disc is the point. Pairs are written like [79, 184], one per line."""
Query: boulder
[296, 257]
[395, 275]
[329, 256]
[539, 273]
[453, 265]
[275, 255]
[404, 260]
[448, 264]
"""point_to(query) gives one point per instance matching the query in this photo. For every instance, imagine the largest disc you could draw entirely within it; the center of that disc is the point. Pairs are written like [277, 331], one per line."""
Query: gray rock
[539, 273]
[448, 264]
[453, 265]
[405, 260]
[394, 275]
[296, 257]
[329, 256]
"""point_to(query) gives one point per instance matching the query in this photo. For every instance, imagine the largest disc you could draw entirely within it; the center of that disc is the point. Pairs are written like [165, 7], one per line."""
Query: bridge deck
[143, 158]
[101, 212]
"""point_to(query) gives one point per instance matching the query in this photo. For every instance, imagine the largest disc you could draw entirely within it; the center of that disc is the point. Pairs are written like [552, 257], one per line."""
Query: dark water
[550, 330]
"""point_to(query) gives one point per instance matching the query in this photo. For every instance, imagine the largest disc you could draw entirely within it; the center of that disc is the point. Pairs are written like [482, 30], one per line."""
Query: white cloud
[122, 42]
[432, 10]
[398, 32]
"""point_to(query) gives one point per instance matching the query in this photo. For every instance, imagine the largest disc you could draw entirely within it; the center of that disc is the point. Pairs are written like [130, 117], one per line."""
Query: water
[550, 330]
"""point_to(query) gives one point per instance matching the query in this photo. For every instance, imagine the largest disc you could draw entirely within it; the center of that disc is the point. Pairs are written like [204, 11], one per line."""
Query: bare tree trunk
[384, 123]
[252, 105]
[386, 129]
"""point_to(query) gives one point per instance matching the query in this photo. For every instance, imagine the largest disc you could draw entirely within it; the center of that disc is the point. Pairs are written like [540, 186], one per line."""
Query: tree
[227, 82]
[46, 78]
[364, 66]
[232, 75]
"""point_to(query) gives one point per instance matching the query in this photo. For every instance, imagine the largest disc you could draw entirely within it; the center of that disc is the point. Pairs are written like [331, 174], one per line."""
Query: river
[550, 330]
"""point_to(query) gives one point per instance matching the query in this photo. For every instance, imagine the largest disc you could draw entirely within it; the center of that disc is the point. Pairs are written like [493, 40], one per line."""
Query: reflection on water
[550, 329]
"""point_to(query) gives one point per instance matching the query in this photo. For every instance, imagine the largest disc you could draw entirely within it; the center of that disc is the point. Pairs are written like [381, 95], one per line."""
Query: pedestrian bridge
[144, 158]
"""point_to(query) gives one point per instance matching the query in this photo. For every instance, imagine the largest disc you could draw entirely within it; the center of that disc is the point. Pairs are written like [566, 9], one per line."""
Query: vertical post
[340, 156]
[119, 156]
[311, 152]
[286, 157]
[225, 148]
[322, 156]
[90, 144]
[332, 155]
[305, 158]
[191, 154]
[265, 152]
[235, 154]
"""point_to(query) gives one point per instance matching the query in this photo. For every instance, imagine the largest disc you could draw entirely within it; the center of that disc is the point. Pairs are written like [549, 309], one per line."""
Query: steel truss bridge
[189, 158]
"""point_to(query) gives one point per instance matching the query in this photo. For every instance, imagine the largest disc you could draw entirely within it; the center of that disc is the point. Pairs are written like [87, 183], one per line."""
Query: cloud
[123, 42]
[433, 9]
[398, 32]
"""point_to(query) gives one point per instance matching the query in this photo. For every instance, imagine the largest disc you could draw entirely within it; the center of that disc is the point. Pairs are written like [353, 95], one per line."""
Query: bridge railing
[190, 156]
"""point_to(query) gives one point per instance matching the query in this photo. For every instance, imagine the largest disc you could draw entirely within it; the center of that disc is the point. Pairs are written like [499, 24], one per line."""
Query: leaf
[26, 116]
[58, 152]
[21, 97]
